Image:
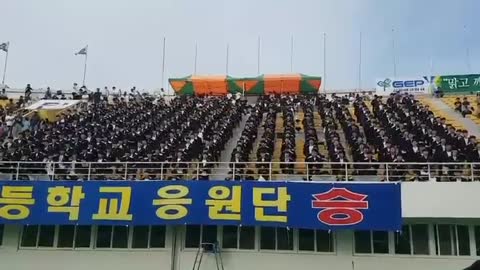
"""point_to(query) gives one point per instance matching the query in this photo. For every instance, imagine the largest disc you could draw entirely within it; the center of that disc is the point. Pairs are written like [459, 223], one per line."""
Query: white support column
[11, 237]
[431, 237]
[391, 243]
[473, 244]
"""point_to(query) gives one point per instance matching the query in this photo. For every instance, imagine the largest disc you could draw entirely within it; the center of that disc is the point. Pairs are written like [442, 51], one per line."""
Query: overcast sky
[125, 39]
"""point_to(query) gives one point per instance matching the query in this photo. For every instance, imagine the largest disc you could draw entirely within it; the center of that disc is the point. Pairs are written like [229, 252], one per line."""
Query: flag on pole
[82, 51]
[4, 47]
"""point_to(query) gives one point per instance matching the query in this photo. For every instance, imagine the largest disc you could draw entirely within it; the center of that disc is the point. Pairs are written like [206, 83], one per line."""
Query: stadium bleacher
[311, 137]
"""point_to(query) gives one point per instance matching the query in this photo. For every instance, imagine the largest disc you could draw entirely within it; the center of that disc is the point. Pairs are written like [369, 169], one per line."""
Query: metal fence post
[346, 171]
[387, 173]
[18, 170]
[126, 171]
[53, 171]
[429, 171]
[89, 171]
[198, 170]
[270, 171]
[233, 171]
[308, 173]
[161, 171]
[472, 171]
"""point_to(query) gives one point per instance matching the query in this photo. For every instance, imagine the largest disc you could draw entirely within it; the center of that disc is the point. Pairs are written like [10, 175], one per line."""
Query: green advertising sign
[458, 83]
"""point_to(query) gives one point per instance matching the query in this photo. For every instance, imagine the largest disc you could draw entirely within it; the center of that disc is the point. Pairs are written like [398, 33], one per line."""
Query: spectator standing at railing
[28, 93]
[75, 87]
[97, 97]
[48, 94]
[116, 94]
[20, 102]
[106, 93]
[3, 94]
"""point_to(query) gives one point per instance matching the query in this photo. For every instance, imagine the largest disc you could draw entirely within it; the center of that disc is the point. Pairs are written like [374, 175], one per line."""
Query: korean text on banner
[458, 83]
[328, 206]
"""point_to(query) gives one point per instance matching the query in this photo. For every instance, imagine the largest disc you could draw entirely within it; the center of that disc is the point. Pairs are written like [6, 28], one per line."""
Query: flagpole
[6, 61]
[431, 66]
[324, 61]
[226, 60]
[431, 86]
[291, 55]
[195, 60]
[467, 50]
[85, 67]
[360, 64]
[258, 56]
[163, 63]
[393, 54]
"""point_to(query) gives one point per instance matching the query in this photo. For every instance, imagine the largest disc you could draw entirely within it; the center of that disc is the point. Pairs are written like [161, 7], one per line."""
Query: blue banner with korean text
[308, 205]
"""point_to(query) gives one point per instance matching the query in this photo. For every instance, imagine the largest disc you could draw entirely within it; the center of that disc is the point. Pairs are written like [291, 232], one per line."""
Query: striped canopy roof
[260, 85]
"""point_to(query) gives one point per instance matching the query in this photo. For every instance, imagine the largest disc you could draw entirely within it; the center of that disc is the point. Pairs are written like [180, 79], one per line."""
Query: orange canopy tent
[264, 84]
[282, 83]
[210, 85]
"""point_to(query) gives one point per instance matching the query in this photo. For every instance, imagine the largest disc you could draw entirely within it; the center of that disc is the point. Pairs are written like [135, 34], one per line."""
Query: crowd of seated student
[151, 131]
[402, 129]
[189, 128]
[288, 154]
[267, 141]
[353, 135]
[249, 134]
[310, 147]
[217, 125]
[245, 143]
[337, 112]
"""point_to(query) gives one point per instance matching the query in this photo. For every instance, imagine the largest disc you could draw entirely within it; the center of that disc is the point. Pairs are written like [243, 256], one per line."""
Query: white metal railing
[280, 171]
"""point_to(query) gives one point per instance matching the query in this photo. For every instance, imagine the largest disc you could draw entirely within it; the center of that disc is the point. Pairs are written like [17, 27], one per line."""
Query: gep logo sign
[415, 85]
[408, 84]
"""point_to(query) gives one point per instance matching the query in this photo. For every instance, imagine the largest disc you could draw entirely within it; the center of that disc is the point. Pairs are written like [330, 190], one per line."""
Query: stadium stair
[256, 143]
[279, 123]
[438, 112]
[277, 152]
[299, 143]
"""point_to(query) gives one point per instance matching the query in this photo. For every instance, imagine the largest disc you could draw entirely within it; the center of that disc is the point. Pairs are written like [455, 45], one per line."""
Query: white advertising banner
[52, 104]
[419, 85]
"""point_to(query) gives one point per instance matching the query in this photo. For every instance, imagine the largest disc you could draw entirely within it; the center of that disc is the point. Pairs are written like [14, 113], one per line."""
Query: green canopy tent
[182, 86]
[251, 85]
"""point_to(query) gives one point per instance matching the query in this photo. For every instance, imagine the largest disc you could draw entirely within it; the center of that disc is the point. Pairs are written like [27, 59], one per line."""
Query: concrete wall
[342, 259]
[11, 257]
[441, 200]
